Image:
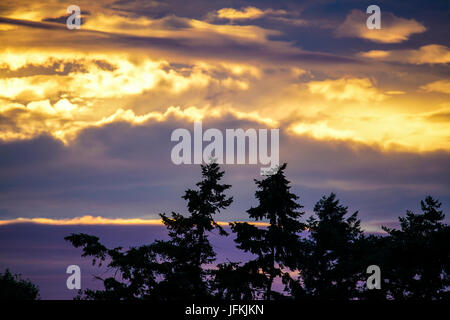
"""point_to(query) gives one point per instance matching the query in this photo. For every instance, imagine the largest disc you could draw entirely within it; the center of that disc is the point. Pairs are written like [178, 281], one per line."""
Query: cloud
[428, 54]
[6, 27]
[395, 92]
[360, 89]
[393, 29]
[247, 13]
[437, 86]
[202, 40]
[321, 130]
[98, 220]
[92, 80]
[84, 220]
[290, 18]
[102, 101]
[79, 95]
[121, 170]
[375, 54]
[65, 119]
[60, 93]
[173, 27]
[441, 115]
[66, 93]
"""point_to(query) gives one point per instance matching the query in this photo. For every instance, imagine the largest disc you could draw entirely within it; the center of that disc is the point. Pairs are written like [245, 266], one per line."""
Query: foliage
[324, 258]
[277, 246]
[166, 270]
[13, 287]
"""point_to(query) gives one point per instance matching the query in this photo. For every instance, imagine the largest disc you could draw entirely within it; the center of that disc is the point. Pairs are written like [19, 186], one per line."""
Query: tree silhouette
[13, 287]
[233, 281]
[137, 268]
[326, 258]
[189, 248]
[331, 269]
[277, 245]
[419, 255]
[165, 270]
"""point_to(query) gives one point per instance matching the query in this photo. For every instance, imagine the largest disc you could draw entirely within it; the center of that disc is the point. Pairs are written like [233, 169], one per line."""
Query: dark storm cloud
[121, 170]
[32, 24]
[382, 185]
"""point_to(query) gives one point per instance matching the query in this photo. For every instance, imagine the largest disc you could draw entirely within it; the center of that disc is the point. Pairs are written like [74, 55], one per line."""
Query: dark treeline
[325, 257]
[13, 287]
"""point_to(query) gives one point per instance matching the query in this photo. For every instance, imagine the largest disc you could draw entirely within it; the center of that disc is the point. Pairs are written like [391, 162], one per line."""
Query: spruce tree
[276, 245]
[189, 249]
[331, 269]
[418, 263]
[165, 270]
[13, 287]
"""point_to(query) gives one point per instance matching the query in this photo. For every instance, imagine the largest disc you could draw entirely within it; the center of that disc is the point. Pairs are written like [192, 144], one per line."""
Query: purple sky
[40, 253]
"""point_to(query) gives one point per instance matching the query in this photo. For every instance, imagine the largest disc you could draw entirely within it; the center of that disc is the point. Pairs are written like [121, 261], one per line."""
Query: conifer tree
[189, 249]
[13, 287]
[332, 268]
[418, 260]
[166, 270]
[277, 245]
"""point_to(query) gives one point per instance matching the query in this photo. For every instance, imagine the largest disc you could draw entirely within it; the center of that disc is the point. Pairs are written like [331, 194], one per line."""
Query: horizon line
[99, 220]
[88, 220]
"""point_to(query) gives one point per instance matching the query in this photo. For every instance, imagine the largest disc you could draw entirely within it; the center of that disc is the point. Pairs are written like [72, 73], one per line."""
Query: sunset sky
[86, 115]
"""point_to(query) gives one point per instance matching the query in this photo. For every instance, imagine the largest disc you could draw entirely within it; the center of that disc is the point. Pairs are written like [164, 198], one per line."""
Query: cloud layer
[86, 115]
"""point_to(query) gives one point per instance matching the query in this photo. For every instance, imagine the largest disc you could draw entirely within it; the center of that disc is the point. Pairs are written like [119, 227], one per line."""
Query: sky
[86, 115]
[40, 254]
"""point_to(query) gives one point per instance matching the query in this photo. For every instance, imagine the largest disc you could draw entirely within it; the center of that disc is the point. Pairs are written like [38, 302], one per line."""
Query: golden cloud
[393, 29]
[90, 220]
[246, 13]
[437, 86]
[360, 89]
[322, 131]
[375, 54]
[6, 27]
[173, 27]
[383, 129]
[50, 87]
[84, 220]
[429, 54]
[124, 76]
[395, 92]
[352, 109]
